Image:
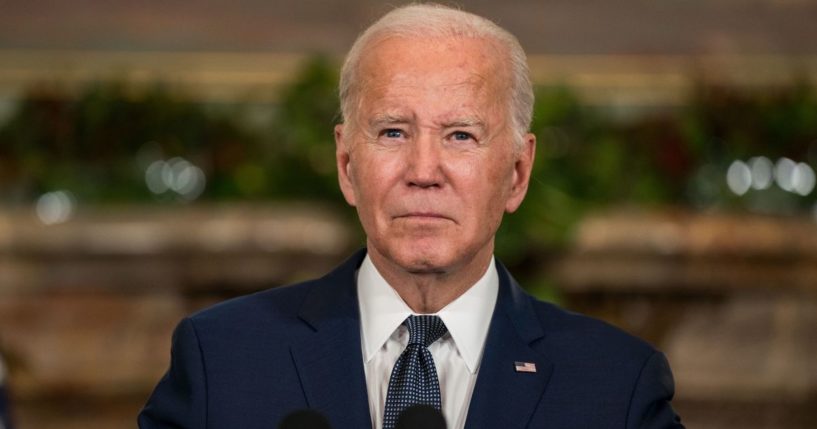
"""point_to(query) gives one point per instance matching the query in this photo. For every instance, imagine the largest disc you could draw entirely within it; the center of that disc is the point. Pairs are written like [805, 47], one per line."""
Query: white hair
[437, 21]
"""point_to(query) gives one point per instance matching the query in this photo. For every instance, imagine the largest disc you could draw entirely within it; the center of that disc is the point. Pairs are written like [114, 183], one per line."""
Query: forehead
[437, 68]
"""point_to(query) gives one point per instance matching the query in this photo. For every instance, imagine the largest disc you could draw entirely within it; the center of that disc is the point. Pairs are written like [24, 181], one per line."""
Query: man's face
[429, 158]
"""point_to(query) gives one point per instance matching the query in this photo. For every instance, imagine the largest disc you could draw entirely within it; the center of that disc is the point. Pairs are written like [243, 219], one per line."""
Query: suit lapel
[330, 362]
[504, 397]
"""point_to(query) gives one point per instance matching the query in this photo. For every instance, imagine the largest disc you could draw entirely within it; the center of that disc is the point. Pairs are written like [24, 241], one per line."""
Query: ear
[344, 164]
[523, 165]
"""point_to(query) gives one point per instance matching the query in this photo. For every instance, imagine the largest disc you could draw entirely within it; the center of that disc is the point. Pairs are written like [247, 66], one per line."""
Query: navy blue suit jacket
[248, 362]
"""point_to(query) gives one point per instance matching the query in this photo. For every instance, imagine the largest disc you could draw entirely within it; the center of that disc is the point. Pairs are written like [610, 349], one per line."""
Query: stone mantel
[731, 299]
[685, 252]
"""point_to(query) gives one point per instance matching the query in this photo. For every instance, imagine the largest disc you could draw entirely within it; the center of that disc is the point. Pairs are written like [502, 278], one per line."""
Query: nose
[424, 166]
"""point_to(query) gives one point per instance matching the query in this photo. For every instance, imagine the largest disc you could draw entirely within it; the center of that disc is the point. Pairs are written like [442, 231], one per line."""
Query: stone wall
[732, 300]
[87, 307]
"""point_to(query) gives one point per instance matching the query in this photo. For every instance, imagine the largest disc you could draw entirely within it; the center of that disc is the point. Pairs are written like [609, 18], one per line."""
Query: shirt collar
[467, 317]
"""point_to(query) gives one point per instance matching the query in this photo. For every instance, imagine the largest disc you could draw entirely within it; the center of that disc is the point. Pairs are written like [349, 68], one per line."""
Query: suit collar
[467, 318]
[503, 396]
[518, 306]
[334, 295]
[329, 362]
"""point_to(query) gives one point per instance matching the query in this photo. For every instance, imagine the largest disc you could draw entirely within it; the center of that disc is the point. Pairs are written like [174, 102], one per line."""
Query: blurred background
[159, 156]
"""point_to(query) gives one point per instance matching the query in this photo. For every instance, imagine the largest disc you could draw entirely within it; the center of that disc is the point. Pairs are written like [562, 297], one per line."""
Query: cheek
[482, 190]
[371, 176]
[492, 179]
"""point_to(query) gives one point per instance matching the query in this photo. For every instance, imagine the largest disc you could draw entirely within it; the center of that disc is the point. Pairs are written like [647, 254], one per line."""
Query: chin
[423, 258]
[424, 266]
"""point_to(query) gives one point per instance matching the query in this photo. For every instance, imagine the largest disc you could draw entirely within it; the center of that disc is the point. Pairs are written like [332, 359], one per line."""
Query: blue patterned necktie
[414, 378]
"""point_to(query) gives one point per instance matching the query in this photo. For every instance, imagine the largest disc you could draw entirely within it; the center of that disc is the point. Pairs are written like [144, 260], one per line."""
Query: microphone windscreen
[420, 417]
[304, 419]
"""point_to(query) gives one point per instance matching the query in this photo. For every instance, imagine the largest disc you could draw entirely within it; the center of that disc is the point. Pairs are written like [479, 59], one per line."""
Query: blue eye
[462, 136]
[393, 133]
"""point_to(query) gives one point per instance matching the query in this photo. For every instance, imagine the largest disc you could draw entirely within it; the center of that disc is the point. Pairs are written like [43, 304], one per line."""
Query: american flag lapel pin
[524, 366]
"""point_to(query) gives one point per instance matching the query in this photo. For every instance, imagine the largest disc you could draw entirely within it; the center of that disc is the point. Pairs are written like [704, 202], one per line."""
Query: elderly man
[434, 149]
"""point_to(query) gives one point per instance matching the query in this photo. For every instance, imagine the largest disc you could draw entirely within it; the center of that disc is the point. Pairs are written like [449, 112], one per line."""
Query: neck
[430, 291]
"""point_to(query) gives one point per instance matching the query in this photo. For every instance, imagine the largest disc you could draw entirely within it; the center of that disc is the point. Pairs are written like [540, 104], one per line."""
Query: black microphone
[304, 419]
[420, 417]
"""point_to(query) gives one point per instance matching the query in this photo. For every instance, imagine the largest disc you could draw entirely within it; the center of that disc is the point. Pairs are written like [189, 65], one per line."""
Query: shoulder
[565, 335]
[608, 361]
[571, 334]
[278, 301]
[279, 305]
[274, 309]
[595, 362]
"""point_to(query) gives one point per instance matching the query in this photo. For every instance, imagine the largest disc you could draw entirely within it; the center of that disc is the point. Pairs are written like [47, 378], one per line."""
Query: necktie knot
[424, 329]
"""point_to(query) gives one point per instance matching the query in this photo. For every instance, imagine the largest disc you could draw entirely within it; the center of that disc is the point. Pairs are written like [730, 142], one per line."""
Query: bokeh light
[759, 174]
[784, 174]
[803, 179]
[176, 175]
[761, 169]
[739, 177]
[55, 207]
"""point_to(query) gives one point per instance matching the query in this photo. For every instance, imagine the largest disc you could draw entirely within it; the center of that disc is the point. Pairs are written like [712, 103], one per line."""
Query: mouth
[423, 216]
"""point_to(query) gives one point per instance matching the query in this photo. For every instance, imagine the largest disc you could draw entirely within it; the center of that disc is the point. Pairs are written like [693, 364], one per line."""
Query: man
[434, 149]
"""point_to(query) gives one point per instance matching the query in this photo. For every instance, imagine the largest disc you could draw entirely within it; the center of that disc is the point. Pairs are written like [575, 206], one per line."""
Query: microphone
[304, 419]
[420, 417]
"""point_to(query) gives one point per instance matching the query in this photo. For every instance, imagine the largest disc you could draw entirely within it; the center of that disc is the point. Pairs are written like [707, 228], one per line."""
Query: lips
[423, 215]
[424, 218]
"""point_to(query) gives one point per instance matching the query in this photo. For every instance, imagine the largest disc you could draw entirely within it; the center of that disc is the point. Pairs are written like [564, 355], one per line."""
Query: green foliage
[301, 140]
[586, 161]
[98, 144]
[721, 125]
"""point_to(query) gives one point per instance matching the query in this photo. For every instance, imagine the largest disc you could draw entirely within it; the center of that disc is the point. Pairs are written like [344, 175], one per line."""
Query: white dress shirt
[456, 355]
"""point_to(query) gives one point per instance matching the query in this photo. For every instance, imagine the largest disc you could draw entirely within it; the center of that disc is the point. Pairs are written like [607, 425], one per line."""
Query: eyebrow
[387, 118]
[390, 118]
[467, 122]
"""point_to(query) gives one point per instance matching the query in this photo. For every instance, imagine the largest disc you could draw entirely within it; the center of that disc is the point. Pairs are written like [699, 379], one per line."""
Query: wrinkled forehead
[434, 53]
[406, 66]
